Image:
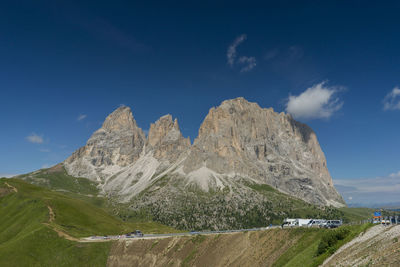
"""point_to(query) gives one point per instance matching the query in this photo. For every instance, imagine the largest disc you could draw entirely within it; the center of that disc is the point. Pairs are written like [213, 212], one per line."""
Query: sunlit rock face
[118, 143]
[241, 139]
[166, 140]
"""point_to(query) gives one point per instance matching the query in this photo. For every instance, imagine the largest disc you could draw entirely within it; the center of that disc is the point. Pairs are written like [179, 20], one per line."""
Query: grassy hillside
[357, 214]
[202, 210]
[316, 245]
[56, 178]
[31, 215]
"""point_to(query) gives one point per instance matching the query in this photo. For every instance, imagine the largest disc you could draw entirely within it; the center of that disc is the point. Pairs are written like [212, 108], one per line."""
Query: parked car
[137, 233]
[332, 223]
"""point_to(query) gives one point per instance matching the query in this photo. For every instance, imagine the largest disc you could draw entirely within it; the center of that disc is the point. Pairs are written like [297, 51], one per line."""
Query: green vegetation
[25, 239]
[331, 239]
[56, 178]
[198, 239]
[28, 234]
[316, 245]
[356, 214]
[255, 206]
[285, 206]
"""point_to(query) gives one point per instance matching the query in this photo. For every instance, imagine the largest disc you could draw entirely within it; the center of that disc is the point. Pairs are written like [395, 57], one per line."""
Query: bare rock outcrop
[165, 139]
[246, 141]
[118, 143]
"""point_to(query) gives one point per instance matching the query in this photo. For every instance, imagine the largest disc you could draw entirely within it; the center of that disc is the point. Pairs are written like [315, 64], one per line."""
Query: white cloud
[250, 61]
[395, 175]
[318, 101]
[34, 138]
[46, 150]
[392, 100]
[231, 54]
[370, 191]
[46, 166]
[81, 117]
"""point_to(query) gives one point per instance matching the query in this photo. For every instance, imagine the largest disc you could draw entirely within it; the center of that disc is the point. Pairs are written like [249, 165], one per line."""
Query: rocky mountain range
[241, 147]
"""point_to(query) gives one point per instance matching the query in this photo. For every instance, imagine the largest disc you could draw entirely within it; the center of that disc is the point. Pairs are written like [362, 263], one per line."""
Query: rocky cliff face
[240, 146]
[241, 139]
[118, 143]
[166, 140]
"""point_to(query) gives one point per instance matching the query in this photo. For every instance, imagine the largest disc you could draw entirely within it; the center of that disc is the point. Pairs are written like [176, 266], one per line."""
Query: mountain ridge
[239, 145]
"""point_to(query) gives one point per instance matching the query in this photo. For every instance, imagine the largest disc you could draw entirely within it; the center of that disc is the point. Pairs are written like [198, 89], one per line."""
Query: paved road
[158, 236]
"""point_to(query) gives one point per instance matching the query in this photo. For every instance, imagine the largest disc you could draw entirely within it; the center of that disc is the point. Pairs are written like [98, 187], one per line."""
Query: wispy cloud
[45, 150]
[370, 191]
[395, 175]
[392, 100]
[271, 54]
[318, 101]
[34, 138]
[231, 55]
[249, 61]
[81, 117]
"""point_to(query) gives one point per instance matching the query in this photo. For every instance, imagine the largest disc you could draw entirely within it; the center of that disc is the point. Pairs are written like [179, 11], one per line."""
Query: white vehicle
[304, 222]
[317, 223]
[295, 222]
[289, 222]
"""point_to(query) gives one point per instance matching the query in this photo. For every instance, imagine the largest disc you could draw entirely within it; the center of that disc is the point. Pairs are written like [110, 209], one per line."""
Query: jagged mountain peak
[121, 118]
[166, 139]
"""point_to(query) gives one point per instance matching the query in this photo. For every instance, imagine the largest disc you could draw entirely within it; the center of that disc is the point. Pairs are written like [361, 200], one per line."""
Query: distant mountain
[247, 166]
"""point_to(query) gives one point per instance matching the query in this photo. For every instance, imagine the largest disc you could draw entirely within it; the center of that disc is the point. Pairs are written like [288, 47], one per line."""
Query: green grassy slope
[357, 214]
[56, 178]
[27, 236]
[316, 245]
[275, 207]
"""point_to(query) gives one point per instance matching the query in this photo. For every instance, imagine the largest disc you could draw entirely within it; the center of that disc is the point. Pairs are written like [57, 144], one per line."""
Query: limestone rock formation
[242, 139]
[118, 143]
[166, 140]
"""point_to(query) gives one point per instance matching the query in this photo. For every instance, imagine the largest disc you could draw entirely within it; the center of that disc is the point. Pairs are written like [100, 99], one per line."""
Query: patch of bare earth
[235, 249]
[60, 233]
[379, 246]
[12, 187]
[4, 191]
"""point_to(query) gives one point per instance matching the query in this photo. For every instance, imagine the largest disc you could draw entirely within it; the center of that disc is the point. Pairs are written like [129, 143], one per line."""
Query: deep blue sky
[63, 59]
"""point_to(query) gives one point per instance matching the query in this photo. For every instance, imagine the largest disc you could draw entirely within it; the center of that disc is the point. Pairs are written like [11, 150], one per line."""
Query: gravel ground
[379, 246]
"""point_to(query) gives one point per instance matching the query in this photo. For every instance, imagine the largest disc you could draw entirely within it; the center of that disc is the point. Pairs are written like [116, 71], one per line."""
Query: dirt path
[12, 187]
[52, 216]
[60, 233]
